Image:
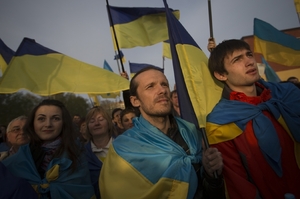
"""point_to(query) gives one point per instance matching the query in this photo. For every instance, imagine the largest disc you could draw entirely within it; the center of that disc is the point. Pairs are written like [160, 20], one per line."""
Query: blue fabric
[147, 148]
[95, 166]
[285, 102]
[4, 147]
[67, 185]
[13, 187]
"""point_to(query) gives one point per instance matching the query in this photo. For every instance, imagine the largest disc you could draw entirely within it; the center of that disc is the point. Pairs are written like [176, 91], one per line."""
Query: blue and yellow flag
[270, 73]
[197, 91]
[109, 95]
[6, 55]
[138, 26]
[120, 56]
[136, 67]
[46, 72]
[276, 46]
[167, 50]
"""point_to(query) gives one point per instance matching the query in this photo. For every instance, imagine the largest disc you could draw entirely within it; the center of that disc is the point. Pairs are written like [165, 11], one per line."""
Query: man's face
[153, 93]
[76, 119]
[242, 70]
[15, 135]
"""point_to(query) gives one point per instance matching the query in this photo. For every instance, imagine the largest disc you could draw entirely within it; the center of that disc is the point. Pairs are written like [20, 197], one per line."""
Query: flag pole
[114, 32]
[211, 34]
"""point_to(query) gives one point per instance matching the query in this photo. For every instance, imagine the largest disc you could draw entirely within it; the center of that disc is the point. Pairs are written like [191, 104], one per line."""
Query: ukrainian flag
[136, 67]
[197, 91]
[270, 73]
[46, 72]
[167, 50]
[6, 55]
[276, 46]
[138, 26]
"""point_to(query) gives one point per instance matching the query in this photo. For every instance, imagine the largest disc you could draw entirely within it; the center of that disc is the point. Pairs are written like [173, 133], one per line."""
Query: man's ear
[220, 77]
[134, 101]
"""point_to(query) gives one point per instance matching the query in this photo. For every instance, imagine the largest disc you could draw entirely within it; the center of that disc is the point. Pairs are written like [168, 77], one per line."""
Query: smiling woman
[53, 162]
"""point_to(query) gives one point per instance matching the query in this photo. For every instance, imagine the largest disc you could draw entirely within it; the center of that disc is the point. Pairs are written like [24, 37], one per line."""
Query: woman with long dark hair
[53, 162]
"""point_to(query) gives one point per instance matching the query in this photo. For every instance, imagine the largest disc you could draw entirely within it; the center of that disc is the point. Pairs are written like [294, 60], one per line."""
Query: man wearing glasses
[15, 136]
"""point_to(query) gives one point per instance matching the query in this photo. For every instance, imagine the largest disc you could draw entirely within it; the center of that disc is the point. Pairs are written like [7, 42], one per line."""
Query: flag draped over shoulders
[46, 72]
[276, 46]
[138, 26]
[59, 181]
[197, 91]
[152, 163]
[229, 119]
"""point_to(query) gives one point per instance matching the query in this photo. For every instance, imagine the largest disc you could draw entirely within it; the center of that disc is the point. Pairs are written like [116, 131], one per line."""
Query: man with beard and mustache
[160, 156]
[255, 126]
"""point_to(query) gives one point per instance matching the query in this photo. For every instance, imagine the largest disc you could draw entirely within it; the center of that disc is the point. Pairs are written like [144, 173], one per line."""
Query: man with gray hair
[15, 136]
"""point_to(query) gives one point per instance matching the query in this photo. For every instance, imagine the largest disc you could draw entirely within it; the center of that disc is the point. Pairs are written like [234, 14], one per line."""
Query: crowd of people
[147, 151]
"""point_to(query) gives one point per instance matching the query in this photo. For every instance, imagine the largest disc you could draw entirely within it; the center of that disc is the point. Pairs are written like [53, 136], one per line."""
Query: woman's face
[48, 123]
[98, 125]
[127, 120]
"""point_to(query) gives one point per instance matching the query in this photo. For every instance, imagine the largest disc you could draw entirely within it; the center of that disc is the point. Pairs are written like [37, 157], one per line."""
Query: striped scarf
[49, 149]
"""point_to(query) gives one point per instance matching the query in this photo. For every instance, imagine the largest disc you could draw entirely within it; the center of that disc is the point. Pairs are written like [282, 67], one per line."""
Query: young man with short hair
[255, 126]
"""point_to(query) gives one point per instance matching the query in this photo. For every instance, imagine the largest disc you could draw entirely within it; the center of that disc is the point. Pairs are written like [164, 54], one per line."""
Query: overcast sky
[80, 28]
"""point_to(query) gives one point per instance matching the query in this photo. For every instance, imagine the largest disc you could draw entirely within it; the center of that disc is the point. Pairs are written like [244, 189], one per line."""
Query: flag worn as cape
[270, 73]
[58, 181]
[167, 50]
[46, 72]
[276, 46]
[230, 117]
[6, 55]
[148, 164]
[197, 91]
[139, 26]
[136, 67]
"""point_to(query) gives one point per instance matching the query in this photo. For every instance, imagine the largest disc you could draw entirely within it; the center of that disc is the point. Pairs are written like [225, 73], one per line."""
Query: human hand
[211, 44]
[124, 74]
[212, 161]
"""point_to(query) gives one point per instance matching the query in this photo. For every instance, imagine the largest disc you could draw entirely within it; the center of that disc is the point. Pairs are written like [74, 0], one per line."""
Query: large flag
[6, 55]
[136, 67]
[138, 26]
[197, 91]
[276, 46]
[46, 72]
[166, 49]
[297, 6]
[270, 73]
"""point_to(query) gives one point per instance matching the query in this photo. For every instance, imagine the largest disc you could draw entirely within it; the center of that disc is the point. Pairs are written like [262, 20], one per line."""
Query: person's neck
[162, 123]
[101, 141]
[177, 109]
[249, 91]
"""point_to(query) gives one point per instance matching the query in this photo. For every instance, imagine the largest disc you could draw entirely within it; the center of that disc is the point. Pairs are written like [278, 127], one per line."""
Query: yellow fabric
[277, 53]
[167, 50]
[296, 144]
[133, 184]
[51, 175]
[221, 133]
[204, 91]
[3, 66]
[56, 73]
[145, 31]
[95, 99]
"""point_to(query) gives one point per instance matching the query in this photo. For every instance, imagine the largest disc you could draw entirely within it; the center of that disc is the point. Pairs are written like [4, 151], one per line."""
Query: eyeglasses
[16, 130]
